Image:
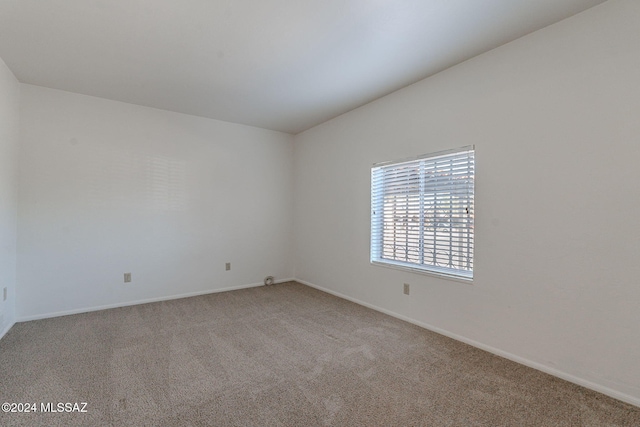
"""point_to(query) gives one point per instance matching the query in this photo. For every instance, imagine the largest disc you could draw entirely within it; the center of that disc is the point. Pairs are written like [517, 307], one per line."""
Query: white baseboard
[535, 365]
[143, 301]
[4, 332]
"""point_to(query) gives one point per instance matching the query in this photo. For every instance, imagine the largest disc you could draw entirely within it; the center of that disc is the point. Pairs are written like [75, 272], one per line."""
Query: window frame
[377, 229]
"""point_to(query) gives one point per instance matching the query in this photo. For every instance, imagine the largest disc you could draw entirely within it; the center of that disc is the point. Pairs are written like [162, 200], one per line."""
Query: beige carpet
[285, 355]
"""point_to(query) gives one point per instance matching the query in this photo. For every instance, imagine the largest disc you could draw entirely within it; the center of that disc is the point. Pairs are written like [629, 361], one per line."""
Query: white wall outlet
[227, 266]
[4, 294]
[127, 277]
[407, 289]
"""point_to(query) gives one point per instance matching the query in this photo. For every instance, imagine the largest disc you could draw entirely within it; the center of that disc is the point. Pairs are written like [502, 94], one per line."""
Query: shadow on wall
[148, 183]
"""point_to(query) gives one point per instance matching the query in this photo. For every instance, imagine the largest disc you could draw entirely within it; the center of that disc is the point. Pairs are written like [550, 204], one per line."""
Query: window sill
[467, 280]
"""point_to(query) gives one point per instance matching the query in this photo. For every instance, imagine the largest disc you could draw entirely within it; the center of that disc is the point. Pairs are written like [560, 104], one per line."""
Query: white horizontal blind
[422, 213]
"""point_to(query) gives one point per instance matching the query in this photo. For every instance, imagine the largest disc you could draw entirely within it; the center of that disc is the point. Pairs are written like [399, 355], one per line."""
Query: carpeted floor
[285, 355]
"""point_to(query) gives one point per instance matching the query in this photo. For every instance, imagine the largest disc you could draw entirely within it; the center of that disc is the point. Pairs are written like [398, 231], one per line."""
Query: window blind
[422, 212]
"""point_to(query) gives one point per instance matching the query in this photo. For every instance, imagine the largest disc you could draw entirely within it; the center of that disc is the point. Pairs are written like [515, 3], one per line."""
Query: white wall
[108, 188]
[555, 120]
[9, 137]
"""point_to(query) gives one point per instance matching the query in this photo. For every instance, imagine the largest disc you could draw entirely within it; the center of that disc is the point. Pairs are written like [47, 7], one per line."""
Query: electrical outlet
[406, 289]
[227, 266]
[4, 294]
[127, 277]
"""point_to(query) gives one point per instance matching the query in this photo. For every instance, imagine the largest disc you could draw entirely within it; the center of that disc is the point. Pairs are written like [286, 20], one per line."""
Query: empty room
[320, 213]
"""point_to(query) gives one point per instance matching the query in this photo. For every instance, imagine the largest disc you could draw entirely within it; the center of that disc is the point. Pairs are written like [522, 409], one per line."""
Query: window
[422, 213]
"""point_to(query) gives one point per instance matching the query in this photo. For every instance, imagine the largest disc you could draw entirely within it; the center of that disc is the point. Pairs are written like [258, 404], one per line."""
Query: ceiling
[285, 65]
